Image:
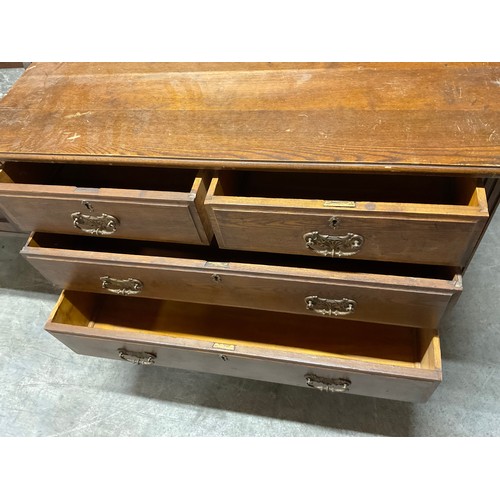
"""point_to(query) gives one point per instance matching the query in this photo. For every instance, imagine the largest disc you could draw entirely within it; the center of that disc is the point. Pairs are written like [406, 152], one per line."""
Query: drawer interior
[390, 188]
[382, 344]
[214, 254]
[99, 176]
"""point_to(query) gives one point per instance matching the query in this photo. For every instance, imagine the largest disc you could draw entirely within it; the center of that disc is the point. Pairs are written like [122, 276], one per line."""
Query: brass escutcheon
[137, 358]
[96, 225]
[330, 307]
[328, 384]
[128, 286]
[334, 246]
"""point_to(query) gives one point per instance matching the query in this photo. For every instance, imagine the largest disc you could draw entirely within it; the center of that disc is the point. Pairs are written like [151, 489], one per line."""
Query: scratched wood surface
[367, 117]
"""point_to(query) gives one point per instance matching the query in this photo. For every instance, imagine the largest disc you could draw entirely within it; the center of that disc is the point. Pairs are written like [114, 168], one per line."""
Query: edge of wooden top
[226, 164]
[172, 67]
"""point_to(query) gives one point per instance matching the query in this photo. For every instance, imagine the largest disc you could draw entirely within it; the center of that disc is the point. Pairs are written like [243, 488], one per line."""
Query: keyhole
[333, 222]
[224, 357]
[216, 278]
[88, 205]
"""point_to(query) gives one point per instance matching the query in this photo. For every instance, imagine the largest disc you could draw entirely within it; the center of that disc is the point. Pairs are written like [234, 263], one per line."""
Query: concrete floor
[7, 79]
[47, 390]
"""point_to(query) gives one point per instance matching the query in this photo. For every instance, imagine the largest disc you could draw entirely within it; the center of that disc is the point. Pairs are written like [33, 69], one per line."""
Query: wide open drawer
[383, 361]
[118, 202]
[376, 292]
[424, 220]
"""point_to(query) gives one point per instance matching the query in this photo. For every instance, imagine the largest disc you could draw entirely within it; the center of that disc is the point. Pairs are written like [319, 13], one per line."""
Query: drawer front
[255, 361]
[153, 220]
[107, 212]
[355, 296]
[223, 363]
[395, 232]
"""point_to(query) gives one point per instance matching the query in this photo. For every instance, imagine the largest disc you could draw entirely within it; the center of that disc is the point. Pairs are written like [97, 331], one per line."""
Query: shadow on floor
[16, 273]
[262, 399]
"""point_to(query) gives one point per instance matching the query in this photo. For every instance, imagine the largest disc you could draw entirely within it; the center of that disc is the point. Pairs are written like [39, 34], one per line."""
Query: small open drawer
[144, 203]
[376, 292]
[330, 355]
[398, 218]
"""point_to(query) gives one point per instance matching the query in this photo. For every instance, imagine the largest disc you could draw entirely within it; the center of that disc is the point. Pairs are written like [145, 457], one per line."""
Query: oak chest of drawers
[304, 224]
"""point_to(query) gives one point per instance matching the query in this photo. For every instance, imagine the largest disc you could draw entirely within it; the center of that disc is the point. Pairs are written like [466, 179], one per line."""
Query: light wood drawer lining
[328, 347]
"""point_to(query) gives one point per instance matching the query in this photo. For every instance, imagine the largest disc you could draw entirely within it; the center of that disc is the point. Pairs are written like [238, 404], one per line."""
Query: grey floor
[47, 390]
[8, 78]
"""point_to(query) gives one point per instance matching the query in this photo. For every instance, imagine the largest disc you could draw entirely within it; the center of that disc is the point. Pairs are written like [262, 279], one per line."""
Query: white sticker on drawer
[216, 264]
[339, 203]
[226, 347]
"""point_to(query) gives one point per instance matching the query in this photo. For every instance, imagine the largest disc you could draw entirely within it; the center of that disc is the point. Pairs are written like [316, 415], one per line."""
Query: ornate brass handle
[137, 358]
[330, 307]
[129, 286]
[328, 384]
[97, 225]
[334, 246]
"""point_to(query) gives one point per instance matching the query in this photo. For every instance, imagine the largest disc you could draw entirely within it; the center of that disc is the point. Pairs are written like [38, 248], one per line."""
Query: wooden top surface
[419, 117]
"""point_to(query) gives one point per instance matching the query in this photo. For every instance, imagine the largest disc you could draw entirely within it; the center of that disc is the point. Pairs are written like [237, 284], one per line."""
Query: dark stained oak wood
[369, 117]
[380, 297]
[493, 193]
[11, 64]
[382, 361]
[492, 188]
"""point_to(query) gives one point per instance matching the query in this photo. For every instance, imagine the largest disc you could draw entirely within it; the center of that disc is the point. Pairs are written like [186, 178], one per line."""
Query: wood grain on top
[420, 117]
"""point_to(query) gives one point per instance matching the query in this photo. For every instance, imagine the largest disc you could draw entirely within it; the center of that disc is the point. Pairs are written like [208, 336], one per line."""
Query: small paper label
[86, 190]
[216, 264]
[339, 203]
[226, 347]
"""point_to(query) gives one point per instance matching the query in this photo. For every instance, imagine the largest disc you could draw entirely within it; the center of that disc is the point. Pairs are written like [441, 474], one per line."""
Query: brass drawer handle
[97, 225]
[137, 358]
[330, 307]
[334, 246]
[328, 384]
[129, 286]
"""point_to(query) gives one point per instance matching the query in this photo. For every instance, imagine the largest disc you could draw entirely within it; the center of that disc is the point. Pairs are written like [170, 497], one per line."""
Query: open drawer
[400, 294]
[144, 203]
[398, 218]
[382, 361]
